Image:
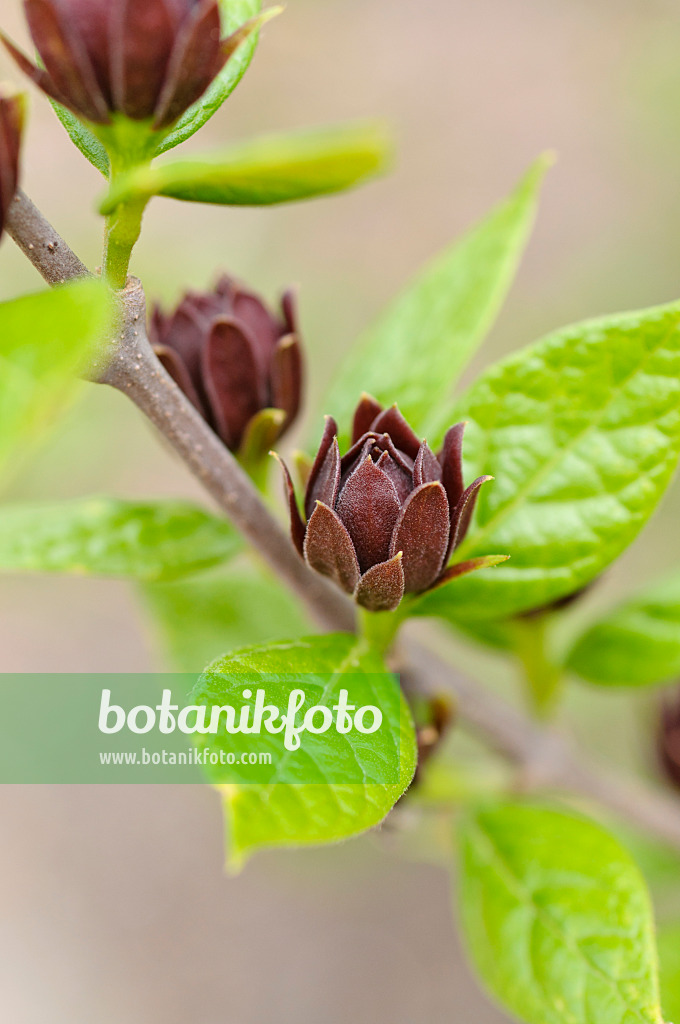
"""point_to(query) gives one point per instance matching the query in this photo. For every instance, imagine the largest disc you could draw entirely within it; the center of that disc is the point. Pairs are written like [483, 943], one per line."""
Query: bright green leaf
[277, 169]
[668, 940]
[201, 619]
[582, 434]
[234, 14]
[47, 341]
[85, 140]
[416, 352]
[108, 537]
[557, 919]
[635, 644]
[285, 814]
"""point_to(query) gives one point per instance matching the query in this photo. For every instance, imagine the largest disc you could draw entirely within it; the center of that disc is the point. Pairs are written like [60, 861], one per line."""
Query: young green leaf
[234, 14]
[281, 814]
[159, 540]
[635, 644]
[277, 169]
[201, 619]
[668, 940]
[84, 139]
[582, 434]
[556, 918]
[46, 342]
[421, 344]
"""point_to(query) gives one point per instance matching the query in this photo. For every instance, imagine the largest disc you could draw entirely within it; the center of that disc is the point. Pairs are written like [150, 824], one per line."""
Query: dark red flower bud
[238, 363]
[12, 110]
[147, 59]
[383, 520]
[669, 740]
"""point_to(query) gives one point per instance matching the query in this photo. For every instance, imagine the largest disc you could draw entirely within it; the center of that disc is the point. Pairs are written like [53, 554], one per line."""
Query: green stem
[123, 228]
[378, 630]
[542, 677]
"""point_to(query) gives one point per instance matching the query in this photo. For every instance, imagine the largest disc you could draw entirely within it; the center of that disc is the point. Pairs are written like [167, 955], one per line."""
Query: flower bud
[147, 59]
[383, 520]
[11, 126]
[238, 363]
[669, 739]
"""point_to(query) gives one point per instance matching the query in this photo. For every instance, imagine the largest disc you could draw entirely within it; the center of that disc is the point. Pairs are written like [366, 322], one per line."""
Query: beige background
[113, 903]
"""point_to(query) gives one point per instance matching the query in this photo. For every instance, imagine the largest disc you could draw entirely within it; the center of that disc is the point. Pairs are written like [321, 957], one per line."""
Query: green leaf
[635, 644]
[47, 341]
[277, 169]
[283, 814]
[234, 14]
[556, 918]
[85, 140]
[417, 350]
[668, 940]
[201, 619]
[582, 434]
[108, 537]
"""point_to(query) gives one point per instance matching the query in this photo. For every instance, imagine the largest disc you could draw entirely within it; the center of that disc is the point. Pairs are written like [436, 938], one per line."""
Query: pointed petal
[37, 75]
[142, 37]
[195, 61]
[451, 459]
[66, 59]
[231, 44]
[393, 423]
[382, 587]
[422, 533]
[365, 415]
[369, 507]
[92, 18]
[402, 480]
[329, 549]
[177, 368]
[330, 434]
[231, 380]
[286, 378]
[289, 308]
[326, 481]
[185, 332]
[472, 565]
[261, 325]
[297, 527]
[462, 514]
[426, 468]
[11, 126]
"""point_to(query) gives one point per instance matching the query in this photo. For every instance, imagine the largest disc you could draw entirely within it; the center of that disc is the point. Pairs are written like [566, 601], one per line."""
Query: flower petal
[401, 478]
[369, 507]
[289, 308]
[286, 377]
[393, 423]
[329, 550]
[422, 533]
[462, 514]
[231, 380]
[451, 459]
[66, 59]
[382, 587]
[320, 469]
[297, 527]
[426, 468]
[177, 368]
[142, 38]
[365, 415]
[472, 565]
[195, 61]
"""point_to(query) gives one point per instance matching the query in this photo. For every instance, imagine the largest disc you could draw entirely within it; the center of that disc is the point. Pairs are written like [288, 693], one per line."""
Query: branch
[546, 757]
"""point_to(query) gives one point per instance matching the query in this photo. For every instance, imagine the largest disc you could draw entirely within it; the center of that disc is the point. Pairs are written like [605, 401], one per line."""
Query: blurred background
[115, 905]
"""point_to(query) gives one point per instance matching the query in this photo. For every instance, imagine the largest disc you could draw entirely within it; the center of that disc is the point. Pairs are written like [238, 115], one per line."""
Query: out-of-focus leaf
[417, 350]
[635, 644]
[234, 14]
[109, 537]
[47, 341]
[277, 169]
[284, 814]
[556, 918]
[582, 435]
[668, 941]
[204, 618]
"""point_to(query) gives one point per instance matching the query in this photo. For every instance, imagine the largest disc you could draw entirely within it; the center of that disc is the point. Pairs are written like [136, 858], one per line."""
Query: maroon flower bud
[11, 127]
[148, 59]
[669, 740]
[239, 364]
[383, 520]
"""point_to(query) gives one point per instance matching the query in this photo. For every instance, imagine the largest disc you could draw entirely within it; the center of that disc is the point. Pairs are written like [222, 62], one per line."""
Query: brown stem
[546, 758]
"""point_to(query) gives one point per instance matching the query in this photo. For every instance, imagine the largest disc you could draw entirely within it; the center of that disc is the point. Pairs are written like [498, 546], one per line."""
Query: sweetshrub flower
[238, 363]
[147, 59]
[669, 739]
[383, 520]
[11, 127]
